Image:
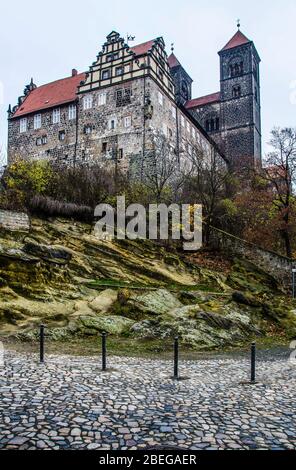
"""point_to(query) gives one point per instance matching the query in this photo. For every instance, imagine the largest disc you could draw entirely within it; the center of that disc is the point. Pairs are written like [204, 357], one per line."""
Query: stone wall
[14, 221]
[280, 267]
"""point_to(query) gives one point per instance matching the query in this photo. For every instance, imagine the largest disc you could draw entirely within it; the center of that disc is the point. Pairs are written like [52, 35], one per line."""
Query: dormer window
[23, 125]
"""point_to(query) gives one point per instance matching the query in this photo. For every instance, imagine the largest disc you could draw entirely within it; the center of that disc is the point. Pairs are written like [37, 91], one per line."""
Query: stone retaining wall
[280, 267]
[14, 221]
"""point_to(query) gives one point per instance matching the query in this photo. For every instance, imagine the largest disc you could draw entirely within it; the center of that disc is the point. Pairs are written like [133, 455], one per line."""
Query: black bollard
[41, 339]
[253, 363]
[176, 358]
[104, 351]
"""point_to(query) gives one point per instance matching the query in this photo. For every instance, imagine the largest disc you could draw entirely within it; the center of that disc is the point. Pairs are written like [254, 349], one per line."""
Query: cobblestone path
[68, 403]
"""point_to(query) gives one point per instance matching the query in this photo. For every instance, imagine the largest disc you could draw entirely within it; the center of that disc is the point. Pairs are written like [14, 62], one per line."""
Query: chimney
[74, 72]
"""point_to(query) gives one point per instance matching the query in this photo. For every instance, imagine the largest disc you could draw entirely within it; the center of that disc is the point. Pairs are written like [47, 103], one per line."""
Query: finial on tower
[172, 47]
[238, 24]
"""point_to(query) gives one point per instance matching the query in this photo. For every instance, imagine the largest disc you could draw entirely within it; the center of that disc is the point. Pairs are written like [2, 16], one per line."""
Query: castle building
[130, 95]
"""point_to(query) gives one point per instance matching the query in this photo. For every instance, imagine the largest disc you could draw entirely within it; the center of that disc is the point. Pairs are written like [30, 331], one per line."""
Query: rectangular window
[119, 71]
[112, 124]
[127, 121]
[174, 112]
[72, 111]
[39, 141]
[44, 140]
[87, 130]
[87, 102]
[182, 121]
[37, 121]
[62, 135]
[23, 125]
[188, 127]
[102, 99]
[105, 74]
[104, 147]
[56, 116]
[120, 154]
[160, 98]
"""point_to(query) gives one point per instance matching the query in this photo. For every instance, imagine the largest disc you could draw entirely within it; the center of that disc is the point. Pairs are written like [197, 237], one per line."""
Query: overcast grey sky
[45, 40]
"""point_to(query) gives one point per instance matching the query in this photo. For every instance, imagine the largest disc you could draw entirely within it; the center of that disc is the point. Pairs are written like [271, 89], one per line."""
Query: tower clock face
[184, 89]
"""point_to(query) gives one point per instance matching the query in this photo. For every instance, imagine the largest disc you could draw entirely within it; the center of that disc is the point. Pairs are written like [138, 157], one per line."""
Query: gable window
[23, 125]
[160, 98]
[37, 121]
[62, 135]
[56, 116]
[127, 121]
[72, 111]
[105, 74]
[119, 71]
[102, 98]
[236, 91]
[87, 102]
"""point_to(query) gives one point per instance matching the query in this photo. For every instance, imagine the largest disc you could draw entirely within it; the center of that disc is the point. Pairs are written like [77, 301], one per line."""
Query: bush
[46, 206]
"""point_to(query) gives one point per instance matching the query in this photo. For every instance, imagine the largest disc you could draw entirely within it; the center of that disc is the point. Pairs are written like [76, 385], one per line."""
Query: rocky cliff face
[60, 274]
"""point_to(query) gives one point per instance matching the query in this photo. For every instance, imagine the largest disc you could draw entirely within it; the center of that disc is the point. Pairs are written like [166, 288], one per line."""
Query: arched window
[236, 91]
[236, 67]
[212, 124]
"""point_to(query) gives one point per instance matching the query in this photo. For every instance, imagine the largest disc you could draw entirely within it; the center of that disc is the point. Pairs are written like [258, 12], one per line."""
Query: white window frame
[87, 102]
[23, 125]
[160, 98]
[37, 121]
[56, 116]
[72, 112]
[102, 99]
[127, 121]
[104, 72]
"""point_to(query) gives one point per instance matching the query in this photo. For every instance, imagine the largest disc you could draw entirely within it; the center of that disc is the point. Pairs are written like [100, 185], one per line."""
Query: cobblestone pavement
[68, 403]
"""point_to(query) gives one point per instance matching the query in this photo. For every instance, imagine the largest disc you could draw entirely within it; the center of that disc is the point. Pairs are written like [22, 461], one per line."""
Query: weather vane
[238, 23]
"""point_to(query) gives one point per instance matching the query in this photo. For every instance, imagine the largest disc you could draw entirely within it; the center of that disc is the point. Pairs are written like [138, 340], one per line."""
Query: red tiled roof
[237, 40]
[173, 61]
[50, 95]
[213, 98]
[143, 48]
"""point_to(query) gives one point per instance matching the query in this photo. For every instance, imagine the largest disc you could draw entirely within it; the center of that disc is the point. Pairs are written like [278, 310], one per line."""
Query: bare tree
[280, 172]
[209, 177]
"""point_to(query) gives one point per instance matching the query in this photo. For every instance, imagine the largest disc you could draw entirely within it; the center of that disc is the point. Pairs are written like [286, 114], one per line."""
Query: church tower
[182, 81]
[240, 102]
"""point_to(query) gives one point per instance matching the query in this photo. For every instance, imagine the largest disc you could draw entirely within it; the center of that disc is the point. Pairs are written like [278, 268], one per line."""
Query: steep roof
[203, 100]
[50, 95]
[173, 61]
[237, 40]
[143, 48]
